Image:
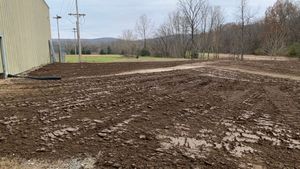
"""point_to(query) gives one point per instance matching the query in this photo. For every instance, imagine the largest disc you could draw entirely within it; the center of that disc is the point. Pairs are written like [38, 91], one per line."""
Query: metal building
[24, 35]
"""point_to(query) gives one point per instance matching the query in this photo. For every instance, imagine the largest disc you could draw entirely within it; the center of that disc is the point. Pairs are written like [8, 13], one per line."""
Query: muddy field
[283, 67]
[98, 69]
[201, 117]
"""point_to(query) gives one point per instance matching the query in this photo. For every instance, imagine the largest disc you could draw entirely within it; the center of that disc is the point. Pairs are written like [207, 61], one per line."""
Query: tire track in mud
[211, 65]
[288, 108]
[178, 118]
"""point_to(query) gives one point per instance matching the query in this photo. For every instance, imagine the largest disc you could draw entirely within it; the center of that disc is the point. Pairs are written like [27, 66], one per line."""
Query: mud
[69, 70]
[279, 67]
[201, 117]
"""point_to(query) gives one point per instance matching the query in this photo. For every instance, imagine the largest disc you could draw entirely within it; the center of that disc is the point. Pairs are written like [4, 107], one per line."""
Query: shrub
[102, 52]
[294, 50]
[72, 52]
[259, 51]
[195, 55]
[123, 52]
[86, 52]
[145, 52]
[109, 50]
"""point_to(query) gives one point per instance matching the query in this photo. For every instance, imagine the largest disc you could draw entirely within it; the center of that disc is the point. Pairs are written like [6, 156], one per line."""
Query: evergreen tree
[102, 52]
[109, 51]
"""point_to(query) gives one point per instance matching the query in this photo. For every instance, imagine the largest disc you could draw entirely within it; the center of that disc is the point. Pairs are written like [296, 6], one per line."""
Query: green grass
[115, 58]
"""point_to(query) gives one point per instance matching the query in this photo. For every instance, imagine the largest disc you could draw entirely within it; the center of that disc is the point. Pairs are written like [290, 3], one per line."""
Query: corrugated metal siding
[25, 26]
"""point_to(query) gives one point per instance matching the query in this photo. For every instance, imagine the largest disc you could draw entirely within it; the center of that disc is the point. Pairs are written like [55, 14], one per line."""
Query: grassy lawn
[115, 58]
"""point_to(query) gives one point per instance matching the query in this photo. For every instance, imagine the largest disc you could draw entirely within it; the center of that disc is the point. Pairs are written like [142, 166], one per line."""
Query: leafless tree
[281, 27]
[217, 29]
[192, 11]
[211, 22]
[212, 32]
[244, 18]
[172, 36]
[180, 29]
[164, 35]
[68, 47]
[128, 43]
[144, 27]
[275, 44]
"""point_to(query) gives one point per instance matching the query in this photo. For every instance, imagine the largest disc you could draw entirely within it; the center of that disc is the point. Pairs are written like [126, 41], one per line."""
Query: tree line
[197, 29]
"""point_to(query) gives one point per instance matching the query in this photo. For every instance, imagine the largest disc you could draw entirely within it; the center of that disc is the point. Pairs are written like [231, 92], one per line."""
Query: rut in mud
[193, 118]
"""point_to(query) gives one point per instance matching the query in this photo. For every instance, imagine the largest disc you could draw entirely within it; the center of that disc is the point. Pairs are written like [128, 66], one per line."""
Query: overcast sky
[108, 18]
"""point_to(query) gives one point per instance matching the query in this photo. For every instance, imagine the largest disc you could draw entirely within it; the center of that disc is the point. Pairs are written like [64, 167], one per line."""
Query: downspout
[3, 57]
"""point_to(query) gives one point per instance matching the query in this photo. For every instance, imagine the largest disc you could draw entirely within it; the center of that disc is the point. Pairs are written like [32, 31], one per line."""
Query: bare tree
[192, 11]
[144, 28]
[128, 44]
[180, 30]
[244, 18]
[164, 36]
[212, 32]
[68, 47]
[217, 29]
[212, 20]
[281, 27]
[173, 36]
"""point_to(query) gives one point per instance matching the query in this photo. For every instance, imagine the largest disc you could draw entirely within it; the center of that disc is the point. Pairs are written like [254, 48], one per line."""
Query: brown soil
[98, 69]
[195, 118]
[283, 67]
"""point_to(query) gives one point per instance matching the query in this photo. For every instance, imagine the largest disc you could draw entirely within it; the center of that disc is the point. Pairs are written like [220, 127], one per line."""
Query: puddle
[204, 133]
[240, 150]
[266, 130]
[87, 163]
[247, 115]
[251, 166]
[238, 140]
[275, 141]
[190, 147]
[264, 123]
[294, 144]
[190, 143]
[120, 127]
[227, 123]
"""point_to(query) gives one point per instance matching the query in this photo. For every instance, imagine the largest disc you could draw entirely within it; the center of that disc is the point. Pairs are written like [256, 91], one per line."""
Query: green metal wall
[25, 27]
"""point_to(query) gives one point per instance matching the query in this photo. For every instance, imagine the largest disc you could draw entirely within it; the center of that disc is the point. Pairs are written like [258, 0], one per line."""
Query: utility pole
[59, 43]
[78, 15]
[74, 31]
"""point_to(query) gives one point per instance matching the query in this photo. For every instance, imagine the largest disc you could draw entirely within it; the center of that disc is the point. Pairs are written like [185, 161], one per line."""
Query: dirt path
[262, 73]
[261, 58]
[208, 65]
[168, 69]
[145, 71]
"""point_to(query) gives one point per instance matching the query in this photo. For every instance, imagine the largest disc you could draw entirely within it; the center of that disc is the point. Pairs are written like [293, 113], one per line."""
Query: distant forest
[196, 28]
